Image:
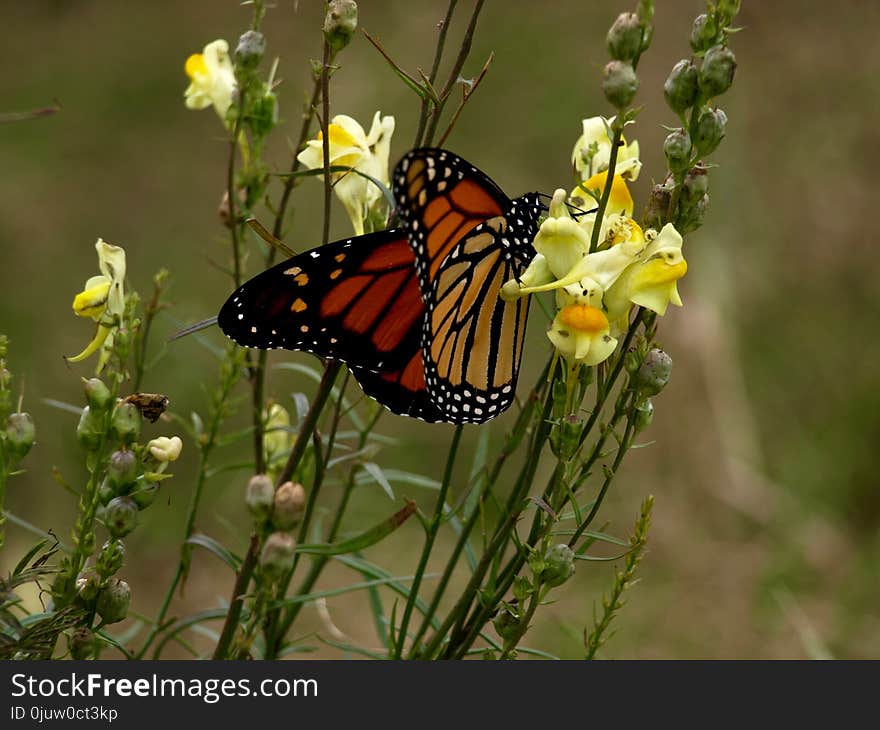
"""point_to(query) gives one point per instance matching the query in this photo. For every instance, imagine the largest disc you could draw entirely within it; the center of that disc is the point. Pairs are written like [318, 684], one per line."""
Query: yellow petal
[195, 66]
[583, 318]
[93, 300]
[93, 346]
[620, 200]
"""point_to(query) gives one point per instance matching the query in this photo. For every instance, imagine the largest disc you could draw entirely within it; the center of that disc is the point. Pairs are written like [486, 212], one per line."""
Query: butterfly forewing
[441, 198]
[355, 300]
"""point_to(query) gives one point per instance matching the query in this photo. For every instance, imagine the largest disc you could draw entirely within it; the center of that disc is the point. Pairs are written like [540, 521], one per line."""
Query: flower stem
[325, 124]
[609, 182]
[433, 528]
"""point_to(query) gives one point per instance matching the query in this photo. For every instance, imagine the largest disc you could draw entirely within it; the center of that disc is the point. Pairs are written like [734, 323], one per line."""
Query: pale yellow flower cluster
[596, 291]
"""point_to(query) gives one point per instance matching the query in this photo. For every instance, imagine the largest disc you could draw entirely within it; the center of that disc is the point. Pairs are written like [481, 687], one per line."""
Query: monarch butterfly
[413, 311]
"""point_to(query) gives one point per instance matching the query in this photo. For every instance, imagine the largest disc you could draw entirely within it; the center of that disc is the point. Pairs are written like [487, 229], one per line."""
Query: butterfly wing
[472, 344]
[441, 198]
[355, 300]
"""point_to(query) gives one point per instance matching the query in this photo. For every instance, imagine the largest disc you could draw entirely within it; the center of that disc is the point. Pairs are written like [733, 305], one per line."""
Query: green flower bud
[565, 436]
[625, 37]
[263, 113]
[260, 496]
[635, 354]
[87, 587]
[113, 601]
[111, 558]
[703, 33]
[288, 506]
[644, 415]
[728, 9]
[682, 86]
[122, 343]
[89, 429]
[696, 185]
[677, 149]
[654, 373]
[122, 468]
[145, 493]
[506, 623]
[126, 422]
[559, 565]
[717, 71]
[619, 83]
[20, 434]
[81, 643]
[107, 491]
[277, 555]
[657, 207]
[710, 130]
[97, 394]
[250, 50]
[120, 516]
[340, 23]
[692, 217]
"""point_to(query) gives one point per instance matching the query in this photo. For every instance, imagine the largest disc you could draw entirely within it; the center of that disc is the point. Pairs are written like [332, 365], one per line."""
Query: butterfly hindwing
[355, 300]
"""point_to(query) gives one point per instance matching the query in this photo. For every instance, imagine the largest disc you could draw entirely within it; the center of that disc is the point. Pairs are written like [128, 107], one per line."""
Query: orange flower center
[583, 318]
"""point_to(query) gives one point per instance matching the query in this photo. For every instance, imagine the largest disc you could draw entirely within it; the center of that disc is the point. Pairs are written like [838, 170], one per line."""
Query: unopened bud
[87, 587]
[692, 217]
[635, 354]
[654, 373]
[120, 516]
[259, 496]
[81, 643]
[717, 71]
[122, 468]
[126, 422]
[289, 503]
[20, 434]
[695, 186]
[111, 558]
[625, 37]
[682, 86]
[113, 601]
[728, 9]
[710, 130]
[619, 83]
[644, 415]
[277, 556]
[506, 623]
[340, 23]
[250, 50]
[703, 33]
[164, 449]
[677, 148]
[145, 493]
[559, 565]
[108, 491]
[566, 436]
[97, 394]
[89, 429]
[657, 207]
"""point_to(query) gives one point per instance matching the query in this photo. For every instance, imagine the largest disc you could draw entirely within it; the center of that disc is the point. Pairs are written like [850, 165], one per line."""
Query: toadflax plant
[606, 265]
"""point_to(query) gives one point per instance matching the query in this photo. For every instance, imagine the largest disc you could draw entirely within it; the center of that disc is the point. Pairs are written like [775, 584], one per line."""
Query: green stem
[609, 181]
[433, 529]
[325, 123]
[523, 625]
[438, 54]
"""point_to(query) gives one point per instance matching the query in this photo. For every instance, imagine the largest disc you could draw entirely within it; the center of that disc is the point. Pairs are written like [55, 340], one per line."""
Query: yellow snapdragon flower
[581, 333]
[351, 146]
[592, 151]
[212, 79]
[164, 449]
[103, 300]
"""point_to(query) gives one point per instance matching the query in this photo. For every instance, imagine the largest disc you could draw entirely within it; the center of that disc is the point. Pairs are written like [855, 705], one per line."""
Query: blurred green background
[765, 540]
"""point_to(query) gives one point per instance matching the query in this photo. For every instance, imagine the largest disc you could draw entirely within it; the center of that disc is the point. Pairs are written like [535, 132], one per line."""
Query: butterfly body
[413, 311]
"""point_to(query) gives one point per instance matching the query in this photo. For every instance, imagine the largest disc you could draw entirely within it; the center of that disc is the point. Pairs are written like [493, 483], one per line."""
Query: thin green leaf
[23, 563]
[365, 539]
[330, 592]
[403, 477]
[62, 406]
[375, 471]
[353, 649]
[33, 529]
[211, 545]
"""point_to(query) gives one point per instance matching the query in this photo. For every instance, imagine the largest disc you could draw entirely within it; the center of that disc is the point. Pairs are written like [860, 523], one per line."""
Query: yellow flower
[589, 192]
[592, 151]
[277, 438]
[103, 300]
[165, 449]
[212, 79]
[351, 147]
[581, 334]
[651, 281]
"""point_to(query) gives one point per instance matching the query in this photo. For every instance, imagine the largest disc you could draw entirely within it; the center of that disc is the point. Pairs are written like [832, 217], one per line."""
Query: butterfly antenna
[203, 325]
[267, 236]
